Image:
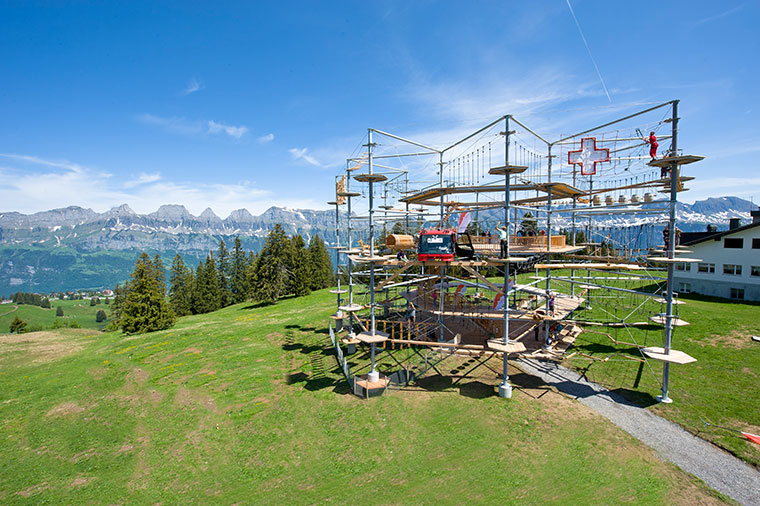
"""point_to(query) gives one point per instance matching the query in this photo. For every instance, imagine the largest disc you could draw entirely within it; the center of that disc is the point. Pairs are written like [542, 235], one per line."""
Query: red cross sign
[588, 156]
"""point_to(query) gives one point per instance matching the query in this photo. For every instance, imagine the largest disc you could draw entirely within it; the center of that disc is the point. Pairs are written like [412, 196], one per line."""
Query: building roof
[692, 238]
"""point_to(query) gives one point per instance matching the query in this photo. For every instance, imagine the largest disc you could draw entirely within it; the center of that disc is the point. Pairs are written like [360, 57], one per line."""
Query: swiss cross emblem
[588, 156]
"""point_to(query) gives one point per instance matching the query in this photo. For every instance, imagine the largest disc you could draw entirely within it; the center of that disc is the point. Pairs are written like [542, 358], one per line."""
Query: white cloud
[193, 85]
[32, 184]
[232, 131]
[303, 154]
[192, 127]
[173, 124]
[143, 178]
[264, 139]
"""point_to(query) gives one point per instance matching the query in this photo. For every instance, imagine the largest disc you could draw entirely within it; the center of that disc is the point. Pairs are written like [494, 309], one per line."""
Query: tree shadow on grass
[477, 390]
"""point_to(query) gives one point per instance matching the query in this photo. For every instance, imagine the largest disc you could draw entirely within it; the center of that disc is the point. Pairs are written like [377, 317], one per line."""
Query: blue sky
[258, 104]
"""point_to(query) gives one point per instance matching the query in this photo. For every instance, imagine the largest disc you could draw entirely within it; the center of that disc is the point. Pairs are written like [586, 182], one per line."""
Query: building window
[756, 243]
[755, 271]
[737, 293]
[682, 267]
[733, 242]
[705, 267]
[732, 270]
[684, 287]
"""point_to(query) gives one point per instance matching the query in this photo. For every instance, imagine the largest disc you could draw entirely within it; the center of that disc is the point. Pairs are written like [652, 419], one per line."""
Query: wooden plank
[676, 322]
[396, 275]
[482, 278]
[674, 357]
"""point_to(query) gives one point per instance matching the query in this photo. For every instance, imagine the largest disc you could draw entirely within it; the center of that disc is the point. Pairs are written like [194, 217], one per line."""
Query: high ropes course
[505, 244]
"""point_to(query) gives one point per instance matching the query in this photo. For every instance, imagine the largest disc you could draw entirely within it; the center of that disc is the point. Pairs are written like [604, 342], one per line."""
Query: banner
[464, 220]
[498, 302]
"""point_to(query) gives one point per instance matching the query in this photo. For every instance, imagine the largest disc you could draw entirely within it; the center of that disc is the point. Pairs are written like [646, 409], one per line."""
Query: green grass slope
[38, 318]
[246, 405]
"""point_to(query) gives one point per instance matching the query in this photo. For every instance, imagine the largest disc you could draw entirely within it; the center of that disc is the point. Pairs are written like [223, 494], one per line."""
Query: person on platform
[503, 240]
[550, 302]
[652, 141]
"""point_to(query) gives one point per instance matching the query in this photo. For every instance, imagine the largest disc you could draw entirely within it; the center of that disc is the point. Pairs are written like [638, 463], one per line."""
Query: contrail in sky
[589, 51]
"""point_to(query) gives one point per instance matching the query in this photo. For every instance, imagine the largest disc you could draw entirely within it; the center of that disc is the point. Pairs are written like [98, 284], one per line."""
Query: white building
[730, 262]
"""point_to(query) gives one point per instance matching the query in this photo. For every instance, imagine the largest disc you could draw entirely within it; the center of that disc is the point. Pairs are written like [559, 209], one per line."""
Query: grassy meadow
[38, 318]
[246, 405]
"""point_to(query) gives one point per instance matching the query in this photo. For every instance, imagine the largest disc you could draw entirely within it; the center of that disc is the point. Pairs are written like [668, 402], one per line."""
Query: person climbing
[401, 256]
[652, 141]
[550, 302]
[503, 240]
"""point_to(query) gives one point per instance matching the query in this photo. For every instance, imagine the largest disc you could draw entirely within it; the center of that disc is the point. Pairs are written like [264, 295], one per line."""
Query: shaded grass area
[247, 405]
[38, 318]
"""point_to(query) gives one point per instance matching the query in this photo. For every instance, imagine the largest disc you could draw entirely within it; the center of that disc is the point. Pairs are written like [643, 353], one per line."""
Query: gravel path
[718, 469]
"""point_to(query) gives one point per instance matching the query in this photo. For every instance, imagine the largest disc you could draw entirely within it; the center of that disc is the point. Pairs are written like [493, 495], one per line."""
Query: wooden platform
[660, 300]
[367, 337]
[337, 291]
[674, 357]
[678, 260]
[351, 308]
[512, 347]
[599, 266]
[507, 169]
[676, 322]
[678, 160]
[370, 178]
[363, 382]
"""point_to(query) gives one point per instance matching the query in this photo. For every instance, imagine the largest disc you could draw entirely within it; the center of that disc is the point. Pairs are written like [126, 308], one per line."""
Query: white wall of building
[717, 283]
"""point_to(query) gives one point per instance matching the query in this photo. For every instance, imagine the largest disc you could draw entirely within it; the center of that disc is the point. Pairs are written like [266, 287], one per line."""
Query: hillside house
[730, 261]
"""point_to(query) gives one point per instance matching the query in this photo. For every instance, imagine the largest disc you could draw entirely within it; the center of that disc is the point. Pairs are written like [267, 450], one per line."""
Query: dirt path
[718, 469]
[9, 312]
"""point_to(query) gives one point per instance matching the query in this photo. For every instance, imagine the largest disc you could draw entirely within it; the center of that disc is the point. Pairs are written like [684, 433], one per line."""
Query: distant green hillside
[38, 318]
[246, 405]
[47, 269]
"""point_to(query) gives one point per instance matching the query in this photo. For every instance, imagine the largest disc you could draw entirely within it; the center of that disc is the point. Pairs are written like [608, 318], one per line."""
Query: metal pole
[373, 374]
[671, 254]
[350, 262]
[441, 291]
[337, 246]
[505, 389]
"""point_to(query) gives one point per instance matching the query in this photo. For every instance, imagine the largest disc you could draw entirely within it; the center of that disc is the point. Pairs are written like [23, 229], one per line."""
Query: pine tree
[223, 271]
[320, 264]
[271, 276]
[17, 326]
[59, 311]
[298, 267]
[239, 280]
[119, 296]
[100, 316]
[93, 301]
[145, 307]
[206, 296]
[160, 273]
[181, 290]
[45, 303]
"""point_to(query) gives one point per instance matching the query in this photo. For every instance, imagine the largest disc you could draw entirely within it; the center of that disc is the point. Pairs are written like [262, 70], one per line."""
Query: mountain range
[78, 248]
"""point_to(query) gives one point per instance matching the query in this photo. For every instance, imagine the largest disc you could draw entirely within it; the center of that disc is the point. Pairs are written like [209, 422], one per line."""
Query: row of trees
[285, 266]
[32, 299]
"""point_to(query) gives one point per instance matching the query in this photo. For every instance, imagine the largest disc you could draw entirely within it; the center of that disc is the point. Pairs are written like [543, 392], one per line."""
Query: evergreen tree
[299, 282]
[145, 307]
[223, 271]
[17, 325]
[100, 316]
[239, 279]
[529, 222]
[59, 311]
[93, 301]
[181, 290]
[320, 264]
[271, 275]
[206, 296]
[160, 273]
[119, 296]
[45, 303]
